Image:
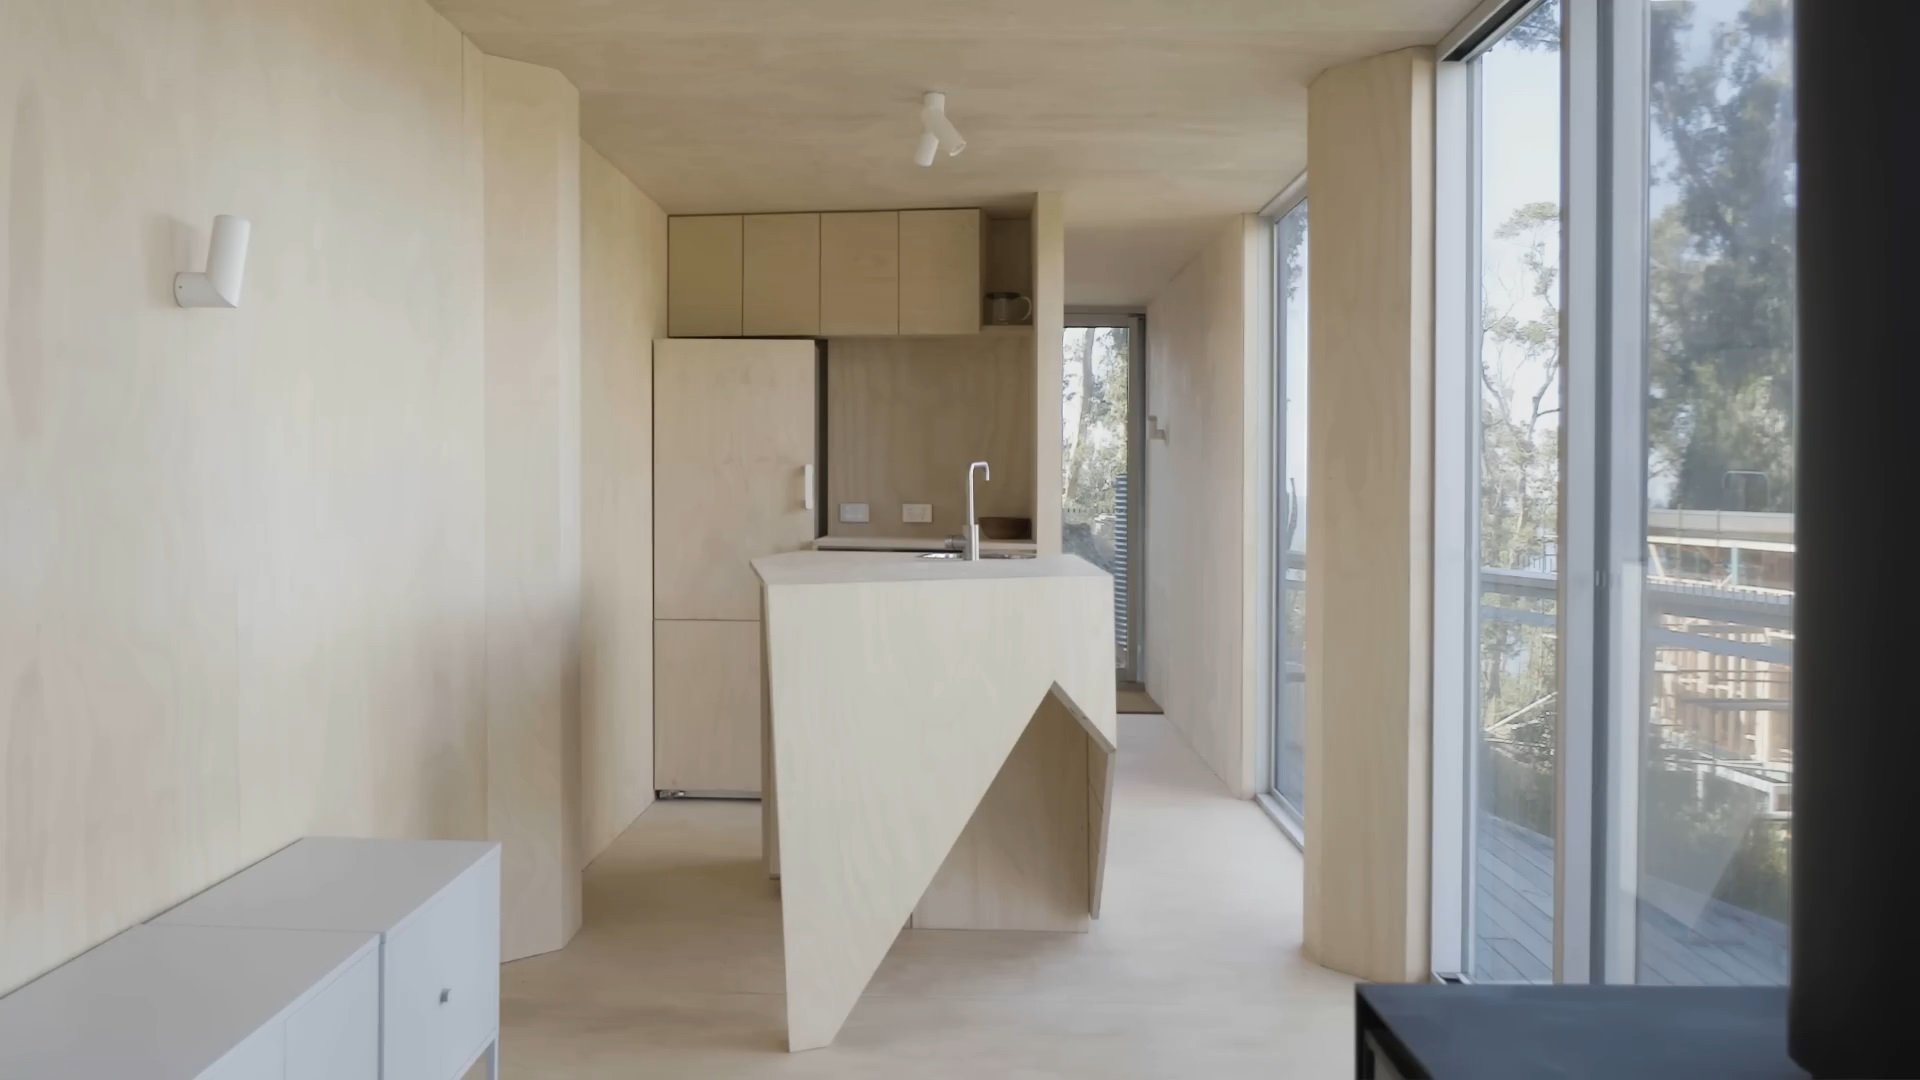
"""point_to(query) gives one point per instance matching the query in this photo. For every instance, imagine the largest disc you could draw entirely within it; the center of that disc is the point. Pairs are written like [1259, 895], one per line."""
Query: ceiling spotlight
[939, 132]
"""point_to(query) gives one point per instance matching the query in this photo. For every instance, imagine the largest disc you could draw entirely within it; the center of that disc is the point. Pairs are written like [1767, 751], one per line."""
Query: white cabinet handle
[807, 481]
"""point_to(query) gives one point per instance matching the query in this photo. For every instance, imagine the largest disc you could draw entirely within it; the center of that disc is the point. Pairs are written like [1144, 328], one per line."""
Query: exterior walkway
[1194, 969]
[1513, 925]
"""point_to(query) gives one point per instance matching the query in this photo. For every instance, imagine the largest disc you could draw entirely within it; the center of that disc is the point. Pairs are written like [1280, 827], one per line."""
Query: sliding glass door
[1516, 94]
[1715, 798]
[1290, 516]
[1101, 455]
[1619, 805]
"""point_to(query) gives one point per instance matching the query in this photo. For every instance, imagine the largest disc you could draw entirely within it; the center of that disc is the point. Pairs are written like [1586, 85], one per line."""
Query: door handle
[806, 480]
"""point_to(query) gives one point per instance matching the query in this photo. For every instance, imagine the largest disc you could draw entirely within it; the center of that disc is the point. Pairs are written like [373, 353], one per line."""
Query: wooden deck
[1513, 925]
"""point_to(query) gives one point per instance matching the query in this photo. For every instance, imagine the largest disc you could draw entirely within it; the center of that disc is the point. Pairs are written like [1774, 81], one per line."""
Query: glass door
[1290, 516]
[1101, 457]
[1614, 752]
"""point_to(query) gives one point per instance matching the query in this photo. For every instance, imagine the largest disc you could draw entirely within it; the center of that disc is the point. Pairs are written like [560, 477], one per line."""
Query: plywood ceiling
[1158, 118]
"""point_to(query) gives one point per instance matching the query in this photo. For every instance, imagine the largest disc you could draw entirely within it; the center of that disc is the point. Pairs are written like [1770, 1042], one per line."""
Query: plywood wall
[905, 416]
[623, 297]
[1049, 321]
[242, 559]
[532, 154]
[1204, 350]
[1369, 542]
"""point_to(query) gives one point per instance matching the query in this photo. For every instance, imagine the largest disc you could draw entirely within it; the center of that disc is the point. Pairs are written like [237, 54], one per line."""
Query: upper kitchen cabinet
[782, 275]
[704, 276]
[859, 274]
[883, 273]
[940, 271]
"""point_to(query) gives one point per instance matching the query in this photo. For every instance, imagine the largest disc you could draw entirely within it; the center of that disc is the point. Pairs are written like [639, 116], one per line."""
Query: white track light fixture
[939, 133]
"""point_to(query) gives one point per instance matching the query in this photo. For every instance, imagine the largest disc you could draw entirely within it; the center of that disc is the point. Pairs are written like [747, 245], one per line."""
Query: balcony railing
[1717, 793]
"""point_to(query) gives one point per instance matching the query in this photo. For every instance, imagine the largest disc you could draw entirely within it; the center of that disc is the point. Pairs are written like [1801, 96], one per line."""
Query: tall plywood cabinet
[940, 271]
[859, 274]
[704, 276]
[733, 480]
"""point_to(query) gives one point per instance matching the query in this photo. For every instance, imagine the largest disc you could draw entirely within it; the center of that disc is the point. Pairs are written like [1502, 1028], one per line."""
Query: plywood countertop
[869, 567]
[912, 543]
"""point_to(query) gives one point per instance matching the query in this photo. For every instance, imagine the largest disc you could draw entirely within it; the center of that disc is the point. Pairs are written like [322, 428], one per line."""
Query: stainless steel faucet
[973, 523]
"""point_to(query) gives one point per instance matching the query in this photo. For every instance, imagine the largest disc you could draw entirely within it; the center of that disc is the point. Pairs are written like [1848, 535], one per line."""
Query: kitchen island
[940, 754]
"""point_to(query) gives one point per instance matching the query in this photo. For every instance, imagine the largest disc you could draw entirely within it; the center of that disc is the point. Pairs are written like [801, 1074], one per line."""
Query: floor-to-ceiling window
[1624, 811]
[1516, 117]
[1290, 512]
[1716, 777]
[1100, 463]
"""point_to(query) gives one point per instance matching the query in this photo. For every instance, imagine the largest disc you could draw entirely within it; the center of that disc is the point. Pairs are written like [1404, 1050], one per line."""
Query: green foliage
[1519, 383]
[1720, 283]
[1708, 822]
[1095, 437]
[1540, 29]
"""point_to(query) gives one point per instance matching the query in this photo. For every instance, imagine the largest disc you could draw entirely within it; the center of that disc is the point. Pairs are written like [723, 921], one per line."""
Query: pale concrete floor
[1194, 970]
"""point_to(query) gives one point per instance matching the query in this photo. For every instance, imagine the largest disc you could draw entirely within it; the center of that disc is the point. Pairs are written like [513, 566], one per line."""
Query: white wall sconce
[938, 133]
[226, 268]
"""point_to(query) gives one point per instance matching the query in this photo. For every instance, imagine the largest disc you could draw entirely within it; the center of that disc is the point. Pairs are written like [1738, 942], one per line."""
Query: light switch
[916, 513]
[853, 513]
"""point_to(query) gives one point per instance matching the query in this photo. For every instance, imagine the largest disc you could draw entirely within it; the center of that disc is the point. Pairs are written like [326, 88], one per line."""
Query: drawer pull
[444, 995]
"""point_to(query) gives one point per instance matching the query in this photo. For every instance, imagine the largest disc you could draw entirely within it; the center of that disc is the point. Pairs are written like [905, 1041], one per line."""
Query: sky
[1520, 164]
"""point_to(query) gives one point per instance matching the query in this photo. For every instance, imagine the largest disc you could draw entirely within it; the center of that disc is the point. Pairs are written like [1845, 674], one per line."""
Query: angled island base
[941, 740]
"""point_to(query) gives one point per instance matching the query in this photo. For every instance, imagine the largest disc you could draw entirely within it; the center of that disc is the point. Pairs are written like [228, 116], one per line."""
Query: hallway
[1194, 970]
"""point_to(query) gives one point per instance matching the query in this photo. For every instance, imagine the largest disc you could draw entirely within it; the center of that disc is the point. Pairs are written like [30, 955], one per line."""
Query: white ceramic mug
[1000, 308]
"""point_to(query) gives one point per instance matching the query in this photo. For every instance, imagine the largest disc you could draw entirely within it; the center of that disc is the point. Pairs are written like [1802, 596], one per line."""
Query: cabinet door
[336, 1035]
[733, 446]
[466, 943]
[782, 290]
[706, 713]
[703, 276]
[859, 274]
[940, 271]
[412, 1037]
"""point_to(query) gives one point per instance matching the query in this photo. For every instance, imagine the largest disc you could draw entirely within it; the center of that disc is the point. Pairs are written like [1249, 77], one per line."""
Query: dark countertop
[1646, 1032]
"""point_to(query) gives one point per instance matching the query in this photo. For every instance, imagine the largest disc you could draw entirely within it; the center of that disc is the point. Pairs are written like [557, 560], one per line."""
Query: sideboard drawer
[466, 943]
[336, 1035]
[410, 1011]
[262, 1057]
[443, 983]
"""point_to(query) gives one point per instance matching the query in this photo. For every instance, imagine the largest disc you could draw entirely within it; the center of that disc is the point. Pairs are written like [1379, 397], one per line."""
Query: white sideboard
[201, 1003]
[435, 906]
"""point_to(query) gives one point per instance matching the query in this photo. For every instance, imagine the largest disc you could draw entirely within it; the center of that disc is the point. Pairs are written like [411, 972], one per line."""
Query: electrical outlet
[853, 513]
[916, 513]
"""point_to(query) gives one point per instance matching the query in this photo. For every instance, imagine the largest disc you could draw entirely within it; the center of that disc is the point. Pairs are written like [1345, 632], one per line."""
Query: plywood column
[533, 499]
[1049, 320]
[623, 307]
[1370, 156]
